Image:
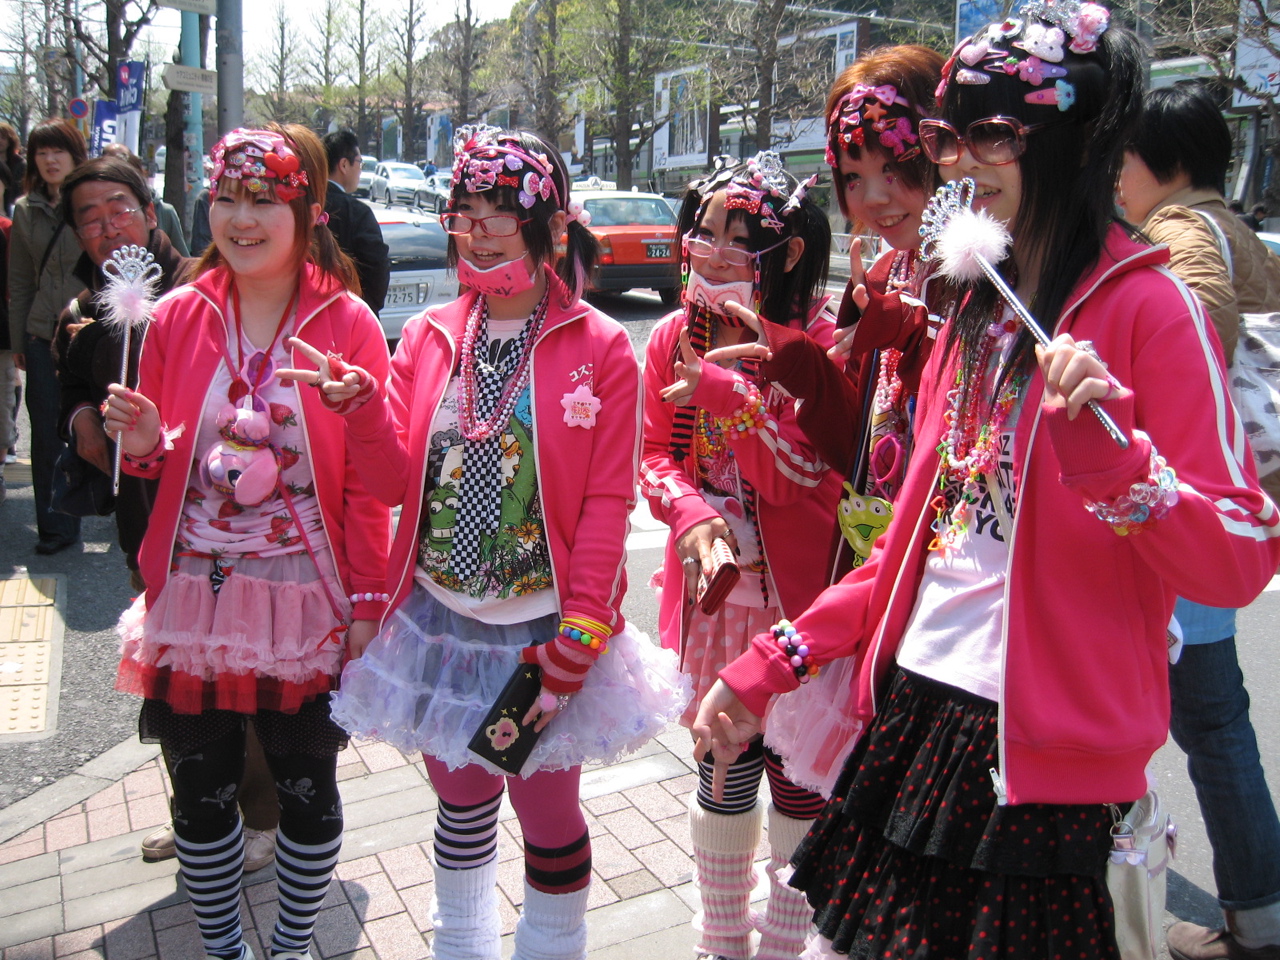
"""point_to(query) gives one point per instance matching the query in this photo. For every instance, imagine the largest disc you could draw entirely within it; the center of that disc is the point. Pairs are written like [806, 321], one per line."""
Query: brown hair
[315, 242]
[60, 135]
[914, 71]
[12, 142]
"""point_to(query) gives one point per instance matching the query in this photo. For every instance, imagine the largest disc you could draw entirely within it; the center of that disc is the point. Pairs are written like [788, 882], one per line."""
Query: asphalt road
[92, 717]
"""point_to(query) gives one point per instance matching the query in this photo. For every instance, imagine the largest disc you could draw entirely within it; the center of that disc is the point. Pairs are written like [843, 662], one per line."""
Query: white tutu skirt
[813, 728]
[427, 681]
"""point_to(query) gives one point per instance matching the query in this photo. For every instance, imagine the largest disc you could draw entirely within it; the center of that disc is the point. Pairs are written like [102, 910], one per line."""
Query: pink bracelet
[369, 597]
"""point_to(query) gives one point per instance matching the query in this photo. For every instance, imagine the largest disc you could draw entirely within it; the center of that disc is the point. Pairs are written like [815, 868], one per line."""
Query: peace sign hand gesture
[343, 387]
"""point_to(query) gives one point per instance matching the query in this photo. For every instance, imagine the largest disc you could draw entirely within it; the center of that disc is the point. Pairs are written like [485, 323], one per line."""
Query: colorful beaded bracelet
[1144, 504]
[380, 597]
[793, 645]
[748, 418]
[589, 633]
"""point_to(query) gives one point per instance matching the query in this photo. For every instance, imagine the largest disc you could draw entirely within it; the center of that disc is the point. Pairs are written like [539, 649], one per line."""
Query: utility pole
[193, 134]
[230, 65]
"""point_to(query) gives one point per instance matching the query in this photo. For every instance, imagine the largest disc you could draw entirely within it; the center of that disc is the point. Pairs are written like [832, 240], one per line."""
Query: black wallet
[501, 738]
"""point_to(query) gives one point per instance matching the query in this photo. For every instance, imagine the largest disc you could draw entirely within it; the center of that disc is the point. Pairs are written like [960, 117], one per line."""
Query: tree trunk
[175, 165]
[624, 102]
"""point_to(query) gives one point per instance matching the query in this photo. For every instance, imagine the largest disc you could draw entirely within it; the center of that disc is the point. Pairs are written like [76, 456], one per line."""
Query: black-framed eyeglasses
[498, 225]
[96, 228]
[734, 256]
[993, 140]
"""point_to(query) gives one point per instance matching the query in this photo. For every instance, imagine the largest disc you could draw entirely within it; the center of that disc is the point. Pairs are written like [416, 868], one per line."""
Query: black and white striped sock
[303, 872]
[211, 873]
[741, 782]
[467, 837]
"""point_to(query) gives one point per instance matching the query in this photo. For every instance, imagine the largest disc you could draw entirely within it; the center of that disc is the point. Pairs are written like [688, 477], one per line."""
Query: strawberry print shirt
[213, 522]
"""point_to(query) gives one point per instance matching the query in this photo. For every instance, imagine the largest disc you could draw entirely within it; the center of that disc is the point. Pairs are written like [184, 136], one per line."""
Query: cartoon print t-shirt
[214, 523]
[513, 582]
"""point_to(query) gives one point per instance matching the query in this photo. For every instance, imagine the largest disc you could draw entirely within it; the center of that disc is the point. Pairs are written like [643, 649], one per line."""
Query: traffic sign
[190, 79]
[207, 7]
[79, 108]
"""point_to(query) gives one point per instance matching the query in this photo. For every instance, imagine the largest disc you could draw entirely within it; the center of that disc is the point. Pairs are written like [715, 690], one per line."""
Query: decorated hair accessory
[1061, 94]
[869, 105]
[975, 51]
[258, 159]
[1043, 41]
[484, 157]
[971, 77]
[798, 196]
[1083, 22]
[1035, 71]
[578, 212]
[757, 189]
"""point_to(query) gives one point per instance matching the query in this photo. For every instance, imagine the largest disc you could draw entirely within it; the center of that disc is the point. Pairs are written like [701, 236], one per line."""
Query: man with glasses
[352, 221]
[109, 206]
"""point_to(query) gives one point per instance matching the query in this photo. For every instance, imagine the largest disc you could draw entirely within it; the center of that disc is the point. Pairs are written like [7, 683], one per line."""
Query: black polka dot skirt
[913, 858]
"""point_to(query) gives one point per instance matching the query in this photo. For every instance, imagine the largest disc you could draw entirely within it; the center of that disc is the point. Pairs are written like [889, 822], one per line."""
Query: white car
[1272, 240]
[419, 278]
[395, 183]
[367, 167]
[433, 193]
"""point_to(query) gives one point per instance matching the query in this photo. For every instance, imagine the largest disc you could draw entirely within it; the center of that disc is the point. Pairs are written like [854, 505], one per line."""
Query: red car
[638, 247]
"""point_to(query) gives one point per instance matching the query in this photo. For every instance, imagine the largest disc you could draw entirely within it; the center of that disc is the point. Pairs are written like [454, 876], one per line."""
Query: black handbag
[79, 488]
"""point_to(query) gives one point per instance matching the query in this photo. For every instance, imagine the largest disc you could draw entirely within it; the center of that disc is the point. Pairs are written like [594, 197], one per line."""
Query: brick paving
[76, 887]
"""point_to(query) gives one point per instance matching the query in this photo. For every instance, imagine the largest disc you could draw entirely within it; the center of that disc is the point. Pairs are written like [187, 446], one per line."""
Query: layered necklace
[970, 449]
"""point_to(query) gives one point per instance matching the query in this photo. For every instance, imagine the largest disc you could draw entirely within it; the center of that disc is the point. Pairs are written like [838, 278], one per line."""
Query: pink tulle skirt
[268, 639]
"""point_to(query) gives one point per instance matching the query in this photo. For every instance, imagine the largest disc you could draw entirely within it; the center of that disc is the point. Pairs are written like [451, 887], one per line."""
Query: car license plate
[411, 294]
[657, 251]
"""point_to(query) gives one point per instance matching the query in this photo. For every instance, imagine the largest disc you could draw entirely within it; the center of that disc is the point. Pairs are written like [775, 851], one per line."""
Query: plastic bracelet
[1144, 504]
[794, 646]
[571, 628]
[748, 418]
[380, 597]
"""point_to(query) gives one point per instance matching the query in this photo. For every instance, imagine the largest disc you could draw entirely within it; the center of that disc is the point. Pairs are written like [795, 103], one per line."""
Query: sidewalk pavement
[75, 885]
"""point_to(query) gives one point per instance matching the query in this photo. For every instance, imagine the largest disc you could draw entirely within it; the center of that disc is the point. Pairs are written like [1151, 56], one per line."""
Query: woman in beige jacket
[1172, 180]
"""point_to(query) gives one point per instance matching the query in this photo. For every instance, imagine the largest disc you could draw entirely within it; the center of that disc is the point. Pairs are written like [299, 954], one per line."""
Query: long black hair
[581, 247]
[1069, 172]
[786, 295]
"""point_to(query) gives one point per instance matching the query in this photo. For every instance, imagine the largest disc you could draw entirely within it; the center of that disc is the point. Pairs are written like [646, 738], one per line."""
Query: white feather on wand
[127, 299]
[967, 244]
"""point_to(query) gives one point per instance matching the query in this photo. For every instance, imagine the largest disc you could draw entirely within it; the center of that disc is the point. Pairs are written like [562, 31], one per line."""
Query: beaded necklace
[970, 449]
[478, 320]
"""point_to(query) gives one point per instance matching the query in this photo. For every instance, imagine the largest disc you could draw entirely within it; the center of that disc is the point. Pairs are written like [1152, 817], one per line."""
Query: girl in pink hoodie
[510, 435]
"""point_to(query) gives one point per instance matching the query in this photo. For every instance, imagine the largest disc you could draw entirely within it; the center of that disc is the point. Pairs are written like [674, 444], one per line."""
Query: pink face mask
[508, 279]
[701, 292]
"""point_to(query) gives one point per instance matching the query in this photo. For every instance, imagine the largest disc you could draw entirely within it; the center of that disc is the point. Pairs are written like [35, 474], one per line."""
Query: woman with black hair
[510, 433]
[725, 462]
[43, 252]
[1010, 628]
[1172, 182]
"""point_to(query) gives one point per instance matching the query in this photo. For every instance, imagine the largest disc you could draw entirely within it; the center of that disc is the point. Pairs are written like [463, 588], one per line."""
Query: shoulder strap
[1223, 245]
[49, 249]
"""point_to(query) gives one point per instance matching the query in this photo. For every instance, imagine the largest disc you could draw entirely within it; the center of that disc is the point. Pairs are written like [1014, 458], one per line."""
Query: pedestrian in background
[167, 218]
[1171, 185]
[13, 169]
[42, 258]
[352, 221]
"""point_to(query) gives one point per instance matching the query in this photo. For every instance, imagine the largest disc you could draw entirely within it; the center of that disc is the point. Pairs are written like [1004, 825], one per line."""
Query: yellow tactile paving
[30, 656]
[23, 663]
[24, 709]
[27, 624]
[27, 592]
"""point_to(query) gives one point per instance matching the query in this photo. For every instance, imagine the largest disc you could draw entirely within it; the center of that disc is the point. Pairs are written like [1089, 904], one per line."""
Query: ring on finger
[562, 701]
[316, 382]
[689, 561]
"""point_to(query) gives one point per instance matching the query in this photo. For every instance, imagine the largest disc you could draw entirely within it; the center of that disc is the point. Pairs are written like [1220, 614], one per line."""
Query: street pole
[230, 66]
[193, 134]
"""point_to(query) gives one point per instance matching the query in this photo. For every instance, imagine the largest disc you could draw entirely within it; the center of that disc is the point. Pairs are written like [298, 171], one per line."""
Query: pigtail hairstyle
[786, 296]
[1068, 171]
[56, 134]
[314, 241]
[506, 189]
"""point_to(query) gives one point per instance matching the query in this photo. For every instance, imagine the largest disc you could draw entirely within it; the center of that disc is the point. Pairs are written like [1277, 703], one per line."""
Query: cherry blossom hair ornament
[485, 157]
[259, 159]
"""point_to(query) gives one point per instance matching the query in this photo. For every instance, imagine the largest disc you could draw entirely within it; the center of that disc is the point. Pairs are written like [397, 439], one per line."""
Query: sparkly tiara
[763, 188]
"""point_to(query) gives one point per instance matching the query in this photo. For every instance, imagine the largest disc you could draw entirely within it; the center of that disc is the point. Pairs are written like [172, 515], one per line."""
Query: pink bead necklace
[481, 430]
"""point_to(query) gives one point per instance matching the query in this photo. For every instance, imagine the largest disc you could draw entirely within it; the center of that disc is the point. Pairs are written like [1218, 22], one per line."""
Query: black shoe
[46, 546]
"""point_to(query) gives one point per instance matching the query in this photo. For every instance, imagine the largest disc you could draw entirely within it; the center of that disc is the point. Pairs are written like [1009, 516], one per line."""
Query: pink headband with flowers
[869, 106]
[258, 159]
[483, 159]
